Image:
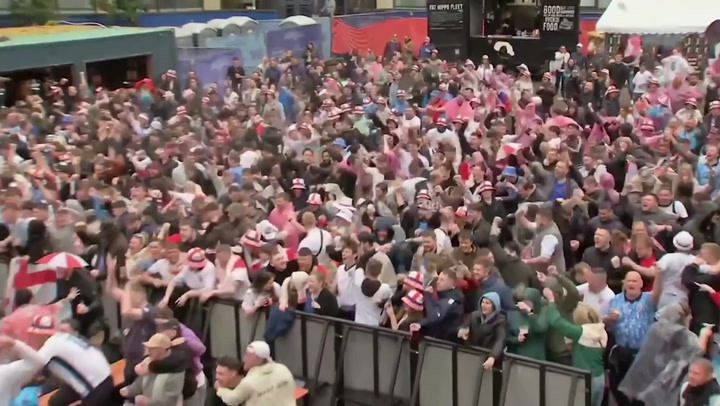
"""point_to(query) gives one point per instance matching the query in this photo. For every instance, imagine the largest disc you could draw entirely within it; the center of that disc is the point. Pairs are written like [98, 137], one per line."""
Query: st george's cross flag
[40, 279]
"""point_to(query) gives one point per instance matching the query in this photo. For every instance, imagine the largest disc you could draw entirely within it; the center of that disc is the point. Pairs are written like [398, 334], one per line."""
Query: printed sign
[558, 18]
[445, 16]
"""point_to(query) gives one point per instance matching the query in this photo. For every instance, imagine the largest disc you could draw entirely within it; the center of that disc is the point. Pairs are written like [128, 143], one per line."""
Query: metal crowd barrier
[364, 365]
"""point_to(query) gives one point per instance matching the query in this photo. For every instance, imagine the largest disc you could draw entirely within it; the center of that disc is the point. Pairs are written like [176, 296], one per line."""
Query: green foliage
[123, 9]
[32, 12]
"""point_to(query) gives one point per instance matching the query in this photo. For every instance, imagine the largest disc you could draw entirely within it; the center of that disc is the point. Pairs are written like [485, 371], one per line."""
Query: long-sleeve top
[15, 374]
[268, 384]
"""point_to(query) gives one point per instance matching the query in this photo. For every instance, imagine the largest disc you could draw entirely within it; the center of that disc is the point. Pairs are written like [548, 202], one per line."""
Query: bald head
[633, 284]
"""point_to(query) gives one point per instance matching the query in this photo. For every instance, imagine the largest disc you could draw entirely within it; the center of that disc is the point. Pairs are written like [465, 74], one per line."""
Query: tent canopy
[658, 16]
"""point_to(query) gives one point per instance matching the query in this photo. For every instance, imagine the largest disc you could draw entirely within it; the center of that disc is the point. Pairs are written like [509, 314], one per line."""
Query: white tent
[658, 16]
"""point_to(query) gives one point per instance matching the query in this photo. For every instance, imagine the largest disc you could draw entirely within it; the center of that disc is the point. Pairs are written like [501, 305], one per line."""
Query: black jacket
[443, 314]
[702, 307]
[179, 360]
[490, 335]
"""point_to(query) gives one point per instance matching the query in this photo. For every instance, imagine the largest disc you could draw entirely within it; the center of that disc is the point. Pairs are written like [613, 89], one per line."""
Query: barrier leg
[414, 397]
[505, 381]
[396, 368]
[573, 391]
[339, 367]
[314, 383]
[476, 395]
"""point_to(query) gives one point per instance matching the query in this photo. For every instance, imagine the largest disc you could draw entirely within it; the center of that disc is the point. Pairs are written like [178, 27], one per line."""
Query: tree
[123, 9]
[32, 12]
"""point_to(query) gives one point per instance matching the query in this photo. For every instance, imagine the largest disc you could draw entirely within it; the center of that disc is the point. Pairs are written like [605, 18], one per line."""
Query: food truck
[507, 31]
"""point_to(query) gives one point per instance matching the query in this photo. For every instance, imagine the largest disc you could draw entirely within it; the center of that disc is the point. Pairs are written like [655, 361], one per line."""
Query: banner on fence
[355, 33]
[292, 39]
[210, 65]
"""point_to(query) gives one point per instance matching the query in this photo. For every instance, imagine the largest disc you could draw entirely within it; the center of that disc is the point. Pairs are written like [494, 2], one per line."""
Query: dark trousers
[620, 360]
[101, 395]
[347, 313]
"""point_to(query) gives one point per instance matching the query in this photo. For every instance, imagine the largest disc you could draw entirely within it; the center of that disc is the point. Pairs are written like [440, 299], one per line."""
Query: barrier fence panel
[376, 366]
[225, 337]
[543, 383]
[376, 362]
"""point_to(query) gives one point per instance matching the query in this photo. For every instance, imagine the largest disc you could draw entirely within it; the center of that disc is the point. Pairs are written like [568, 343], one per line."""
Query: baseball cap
[261, 349]
[158, 340]
[42, 325]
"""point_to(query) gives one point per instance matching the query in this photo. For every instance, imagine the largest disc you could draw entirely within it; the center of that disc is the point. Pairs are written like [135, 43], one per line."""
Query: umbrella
[561, 121]
[712, 32]
[511, 148]
[62, 260]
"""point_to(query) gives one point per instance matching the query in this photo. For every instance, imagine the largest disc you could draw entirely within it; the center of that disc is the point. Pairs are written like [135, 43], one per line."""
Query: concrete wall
[159, 44]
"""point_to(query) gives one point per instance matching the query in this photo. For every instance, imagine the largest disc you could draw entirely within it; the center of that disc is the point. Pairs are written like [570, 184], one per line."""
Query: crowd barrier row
[377, 366]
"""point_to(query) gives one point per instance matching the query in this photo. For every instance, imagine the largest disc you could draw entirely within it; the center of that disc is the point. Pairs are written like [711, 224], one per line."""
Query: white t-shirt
[677, 208]
[641, 81]
[197, 280]
[410, 123]
[15, 374]
[317, 241]
[675, 65]
[346, 284]
[368, 310]
[600, 302]
[235, 273]
[547, 246]
[248, 159]
[76, 362]
[161, 267]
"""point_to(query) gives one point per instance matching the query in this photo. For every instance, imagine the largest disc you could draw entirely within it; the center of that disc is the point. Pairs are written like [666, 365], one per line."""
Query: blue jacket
[443, 315]
[28, 396]
[278, 323]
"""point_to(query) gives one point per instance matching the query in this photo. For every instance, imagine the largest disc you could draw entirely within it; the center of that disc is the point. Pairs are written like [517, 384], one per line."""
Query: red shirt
[647, 263]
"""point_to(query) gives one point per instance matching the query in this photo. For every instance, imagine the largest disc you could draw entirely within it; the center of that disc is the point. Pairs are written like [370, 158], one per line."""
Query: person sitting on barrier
[528, 326]
[589, 338]
[372, 294]
[486, 328]
[410, 312]
[263, 292]
[156, 388]
[443, 308]
[267, 383]
[320, 300]
[228, 374]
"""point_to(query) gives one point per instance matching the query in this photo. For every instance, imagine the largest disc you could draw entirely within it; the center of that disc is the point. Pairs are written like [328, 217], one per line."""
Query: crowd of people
[452, 200]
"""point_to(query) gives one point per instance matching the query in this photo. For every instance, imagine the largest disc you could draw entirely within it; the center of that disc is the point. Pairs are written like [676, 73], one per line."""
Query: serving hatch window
[509, 18]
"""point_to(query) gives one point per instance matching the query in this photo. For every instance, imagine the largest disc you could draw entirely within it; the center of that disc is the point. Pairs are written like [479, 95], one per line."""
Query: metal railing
[378, 366]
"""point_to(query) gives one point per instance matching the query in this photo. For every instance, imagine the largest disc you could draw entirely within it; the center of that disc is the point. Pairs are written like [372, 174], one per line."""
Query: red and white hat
[414, 280]
[612, 89]
[547, 76]
[251, 238]
[423, 194]
[381, 100]
[414, 300]
[691, 101]
[461, 212]
[196, 258]
[367, 101]
[298, 183]
[458, 119]
[181, 111]
[42, 325]
[715, 104]
[359, 110]
[171, 73]
[485, 186]
[647, 125]
[314, 199]
[345, 107]
[441, 122]
[653, 81]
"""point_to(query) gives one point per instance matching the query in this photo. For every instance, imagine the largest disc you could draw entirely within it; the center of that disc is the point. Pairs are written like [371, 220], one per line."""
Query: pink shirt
[281, 219]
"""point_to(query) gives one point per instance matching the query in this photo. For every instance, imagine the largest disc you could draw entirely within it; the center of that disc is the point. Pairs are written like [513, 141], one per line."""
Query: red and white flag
[40, 279]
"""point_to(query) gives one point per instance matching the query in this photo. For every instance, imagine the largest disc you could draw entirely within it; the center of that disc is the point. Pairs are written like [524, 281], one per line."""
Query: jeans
[597, 390]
